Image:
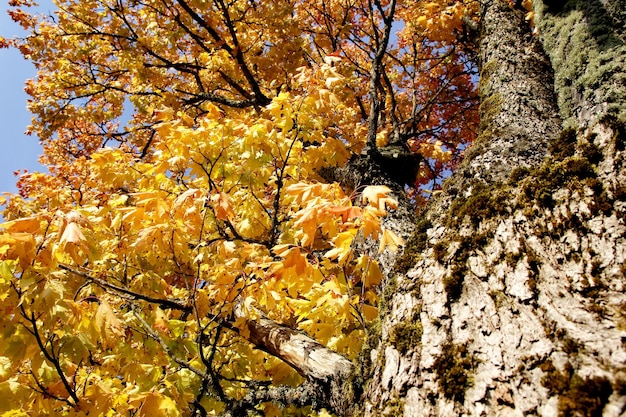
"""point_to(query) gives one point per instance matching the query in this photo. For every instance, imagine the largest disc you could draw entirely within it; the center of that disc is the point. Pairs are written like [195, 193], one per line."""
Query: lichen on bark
[586, 42]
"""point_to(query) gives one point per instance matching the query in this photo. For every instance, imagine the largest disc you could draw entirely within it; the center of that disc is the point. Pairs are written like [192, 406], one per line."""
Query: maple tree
[184, 205]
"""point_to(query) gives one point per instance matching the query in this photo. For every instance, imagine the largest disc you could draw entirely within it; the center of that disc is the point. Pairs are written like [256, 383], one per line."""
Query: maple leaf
[19, 246]
[223, 206]
[158, 405]
[369, 312]
[107, 323]
[184, 146]
[30, 224]
[389, 239]
[377, 196]
[343, 246]
[72, 240]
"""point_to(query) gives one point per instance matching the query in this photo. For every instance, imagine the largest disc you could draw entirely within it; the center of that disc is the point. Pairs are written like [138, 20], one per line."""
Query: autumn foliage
[184, 141]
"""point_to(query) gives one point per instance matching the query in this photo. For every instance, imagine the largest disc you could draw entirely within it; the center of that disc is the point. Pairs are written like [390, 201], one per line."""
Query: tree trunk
[509, 299]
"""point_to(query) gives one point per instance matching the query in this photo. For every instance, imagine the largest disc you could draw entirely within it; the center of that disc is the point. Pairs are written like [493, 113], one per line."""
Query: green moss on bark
[394, 408]
[406, 336]
[484, 203]
[564, 145]
[455, 369]
[578, 396]
[415, 245]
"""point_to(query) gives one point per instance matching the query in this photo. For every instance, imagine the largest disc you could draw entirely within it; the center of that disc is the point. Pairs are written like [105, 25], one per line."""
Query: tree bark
[325, 370]
[509, 299]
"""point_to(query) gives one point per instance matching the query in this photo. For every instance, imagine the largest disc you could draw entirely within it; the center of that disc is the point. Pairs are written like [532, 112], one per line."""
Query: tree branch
[372, 120]
[326, 370]
[302, 396]
[162, 302]
[322, 367]
[50, 356]
[308, 357]
[238, 104]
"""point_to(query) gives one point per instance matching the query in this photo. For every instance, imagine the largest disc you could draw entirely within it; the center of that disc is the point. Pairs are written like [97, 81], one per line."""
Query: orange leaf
[222, 206]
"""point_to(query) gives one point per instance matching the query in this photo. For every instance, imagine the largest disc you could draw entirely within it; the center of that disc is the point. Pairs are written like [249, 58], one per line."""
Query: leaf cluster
[184, 141]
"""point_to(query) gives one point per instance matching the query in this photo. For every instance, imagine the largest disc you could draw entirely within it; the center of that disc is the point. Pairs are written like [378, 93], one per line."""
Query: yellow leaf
[282, 250]
[369, 312]
[280, 373]
[390, 239]
[191, 194]
[222, 206]
[25, 224]
[158, 405]
[343, 246]
[107, 323]
[73, 234]
[161, 322]
[58, 389]
[241, 324]
[73, 241]
[12, 413]
[270, 410]
[369, 270]
[370, 222]
[20, 246]
[374, 275]
[346, 213]
[5, 368]
[303, 191]
[295, 259]
[376, 195]
[203, 303]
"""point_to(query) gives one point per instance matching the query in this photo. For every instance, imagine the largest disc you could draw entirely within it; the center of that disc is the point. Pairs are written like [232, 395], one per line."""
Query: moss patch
[541, 183]
[440, 250]
[390, 288]
[570, 165]
[394, 408]
[577, 396]
[405, 336]
[534, 264]
[415, 245]
[565, 145]
[453, 282]
[485, 202]
[518, 174]
[619, 127]
[455, 369]
[588, 57]
[374, 328]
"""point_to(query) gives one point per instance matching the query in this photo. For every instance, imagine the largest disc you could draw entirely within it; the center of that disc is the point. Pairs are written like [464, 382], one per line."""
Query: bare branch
[162, 302]
[372, 121]
[49, 355]
[308, 357]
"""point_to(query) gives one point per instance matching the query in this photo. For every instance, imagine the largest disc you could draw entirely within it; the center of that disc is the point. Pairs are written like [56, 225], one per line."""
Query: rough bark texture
[509, 299]
[325, 370]
[518, 111]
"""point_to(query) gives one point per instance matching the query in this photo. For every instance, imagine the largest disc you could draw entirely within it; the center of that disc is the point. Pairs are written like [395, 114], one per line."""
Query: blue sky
[17, 151]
